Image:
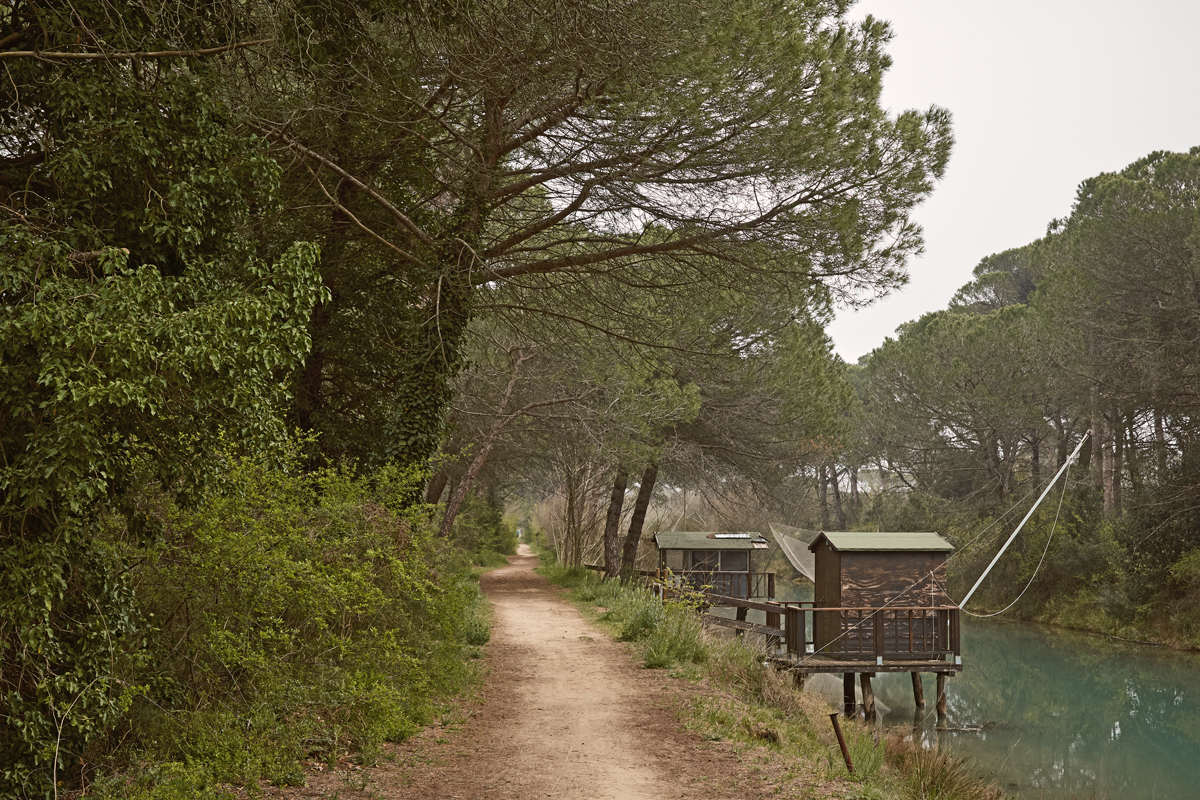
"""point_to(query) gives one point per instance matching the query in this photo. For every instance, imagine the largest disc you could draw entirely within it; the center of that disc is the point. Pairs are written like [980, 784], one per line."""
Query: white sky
[1044, 95]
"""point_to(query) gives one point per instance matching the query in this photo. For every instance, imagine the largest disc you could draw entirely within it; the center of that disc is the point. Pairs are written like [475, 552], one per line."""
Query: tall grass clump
[935, 774]
[669, 633]
[286, 615]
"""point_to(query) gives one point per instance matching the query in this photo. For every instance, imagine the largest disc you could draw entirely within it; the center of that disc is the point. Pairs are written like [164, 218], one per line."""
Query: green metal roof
[856, 541]
[704, 540]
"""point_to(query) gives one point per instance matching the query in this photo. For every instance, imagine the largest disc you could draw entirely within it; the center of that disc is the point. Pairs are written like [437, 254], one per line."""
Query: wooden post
[941, 697]
[868, 696]
[741, 617]
[772, 617]
[918, 690]
[849, 706]
[793, 630]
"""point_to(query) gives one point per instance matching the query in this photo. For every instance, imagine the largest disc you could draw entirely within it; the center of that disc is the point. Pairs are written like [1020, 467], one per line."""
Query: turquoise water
[1054, 714]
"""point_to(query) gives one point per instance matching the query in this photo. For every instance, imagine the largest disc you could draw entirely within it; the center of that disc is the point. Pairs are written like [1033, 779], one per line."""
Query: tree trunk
[854, 486]
[839, 514]
[1160, 447]
[612, 525]
[1106, 463]
[1118, 460]
[1035, 461]
[437, 485]
[823, 496]
[634, 537]
[1061, 451]
[1096, 448]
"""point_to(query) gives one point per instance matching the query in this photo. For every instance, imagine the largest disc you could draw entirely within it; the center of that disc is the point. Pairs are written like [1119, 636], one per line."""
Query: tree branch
[208, 51]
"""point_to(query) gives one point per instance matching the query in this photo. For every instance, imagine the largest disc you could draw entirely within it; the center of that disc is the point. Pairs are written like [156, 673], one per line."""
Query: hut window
[735, 561]
[675, 560]
[707, 560]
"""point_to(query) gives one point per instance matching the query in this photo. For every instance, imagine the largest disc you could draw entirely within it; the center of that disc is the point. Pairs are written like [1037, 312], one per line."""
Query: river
[1054, 714]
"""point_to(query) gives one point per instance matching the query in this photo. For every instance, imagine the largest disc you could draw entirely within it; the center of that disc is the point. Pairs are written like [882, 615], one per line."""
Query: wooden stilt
[941, 697]
[741, 617]
[868, 696]
[918, 690]
[848, 703]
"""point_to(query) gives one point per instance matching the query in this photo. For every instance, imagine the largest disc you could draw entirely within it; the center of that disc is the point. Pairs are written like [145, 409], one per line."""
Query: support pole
[848, 703]
[868, 695]
[918, 690]
[741, 617]
[941, 698]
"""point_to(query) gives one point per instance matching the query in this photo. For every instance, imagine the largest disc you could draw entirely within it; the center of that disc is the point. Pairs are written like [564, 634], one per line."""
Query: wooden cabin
[889, 592]
[887, 611]
[719, 563]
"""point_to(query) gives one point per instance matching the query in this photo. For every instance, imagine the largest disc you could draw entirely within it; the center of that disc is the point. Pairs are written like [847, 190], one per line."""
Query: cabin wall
[895, 578]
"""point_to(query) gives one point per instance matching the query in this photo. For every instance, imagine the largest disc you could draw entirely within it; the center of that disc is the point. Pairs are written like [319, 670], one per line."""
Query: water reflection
[1058, 715]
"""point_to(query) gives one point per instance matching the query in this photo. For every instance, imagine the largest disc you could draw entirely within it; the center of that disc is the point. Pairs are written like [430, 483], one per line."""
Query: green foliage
[134, 318]
[551, 149]
[481, 531]
[295, 613]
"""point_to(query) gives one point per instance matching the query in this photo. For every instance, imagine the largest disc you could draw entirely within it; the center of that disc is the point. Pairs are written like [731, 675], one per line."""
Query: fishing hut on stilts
[879, 602]
[879, 605]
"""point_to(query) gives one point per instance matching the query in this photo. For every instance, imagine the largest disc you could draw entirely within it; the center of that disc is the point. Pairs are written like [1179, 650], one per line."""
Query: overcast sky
[1044, 94]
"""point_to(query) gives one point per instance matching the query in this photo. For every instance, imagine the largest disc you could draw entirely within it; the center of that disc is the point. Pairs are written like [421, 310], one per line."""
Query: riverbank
[1083, 614]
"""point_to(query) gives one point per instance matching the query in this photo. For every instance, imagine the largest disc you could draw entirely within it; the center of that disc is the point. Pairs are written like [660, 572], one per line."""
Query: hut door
[827, 593]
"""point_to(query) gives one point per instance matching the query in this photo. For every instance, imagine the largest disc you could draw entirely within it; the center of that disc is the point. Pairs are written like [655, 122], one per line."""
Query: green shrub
[293, 615]
[477, 627]
[641, 621]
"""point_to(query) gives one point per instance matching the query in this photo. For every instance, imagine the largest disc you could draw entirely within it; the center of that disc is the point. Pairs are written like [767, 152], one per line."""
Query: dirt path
[565, 713]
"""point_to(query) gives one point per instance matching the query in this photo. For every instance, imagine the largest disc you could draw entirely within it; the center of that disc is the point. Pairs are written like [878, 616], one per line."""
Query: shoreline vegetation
[740, 699]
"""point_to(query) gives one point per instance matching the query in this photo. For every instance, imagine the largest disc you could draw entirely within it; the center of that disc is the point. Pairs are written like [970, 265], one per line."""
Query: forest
[306, 307]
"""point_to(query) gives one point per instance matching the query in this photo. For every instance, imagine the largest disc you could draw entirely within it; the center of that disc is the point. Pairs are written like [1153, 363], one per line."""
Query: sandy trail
[573, 708]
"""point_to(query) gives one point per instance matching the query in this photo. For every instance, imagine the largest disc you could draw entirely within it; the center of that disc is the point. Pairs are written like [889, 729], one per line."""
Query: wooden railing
[929, 634]
[742, 585]
[889, 633]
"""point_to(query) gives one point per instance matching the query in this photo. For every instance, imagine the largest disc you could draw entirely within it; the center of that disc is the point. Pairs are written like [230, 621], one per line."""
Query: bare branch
[46, 55]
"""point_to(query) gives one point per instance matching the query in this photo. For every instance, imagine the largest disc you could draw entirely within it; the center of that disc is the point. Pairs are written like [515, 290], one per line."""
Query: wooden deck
[819, 663]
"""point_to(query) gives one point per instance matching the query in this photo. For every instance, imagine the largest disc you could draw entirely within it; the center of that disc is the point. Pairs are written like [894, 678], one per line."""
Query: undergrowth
[744, 700]
[287, 616]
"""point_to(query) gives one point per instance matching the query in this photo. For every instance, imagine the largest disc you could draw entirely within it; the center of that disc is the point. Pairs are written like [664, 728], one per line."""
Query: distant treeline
[969, 410]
